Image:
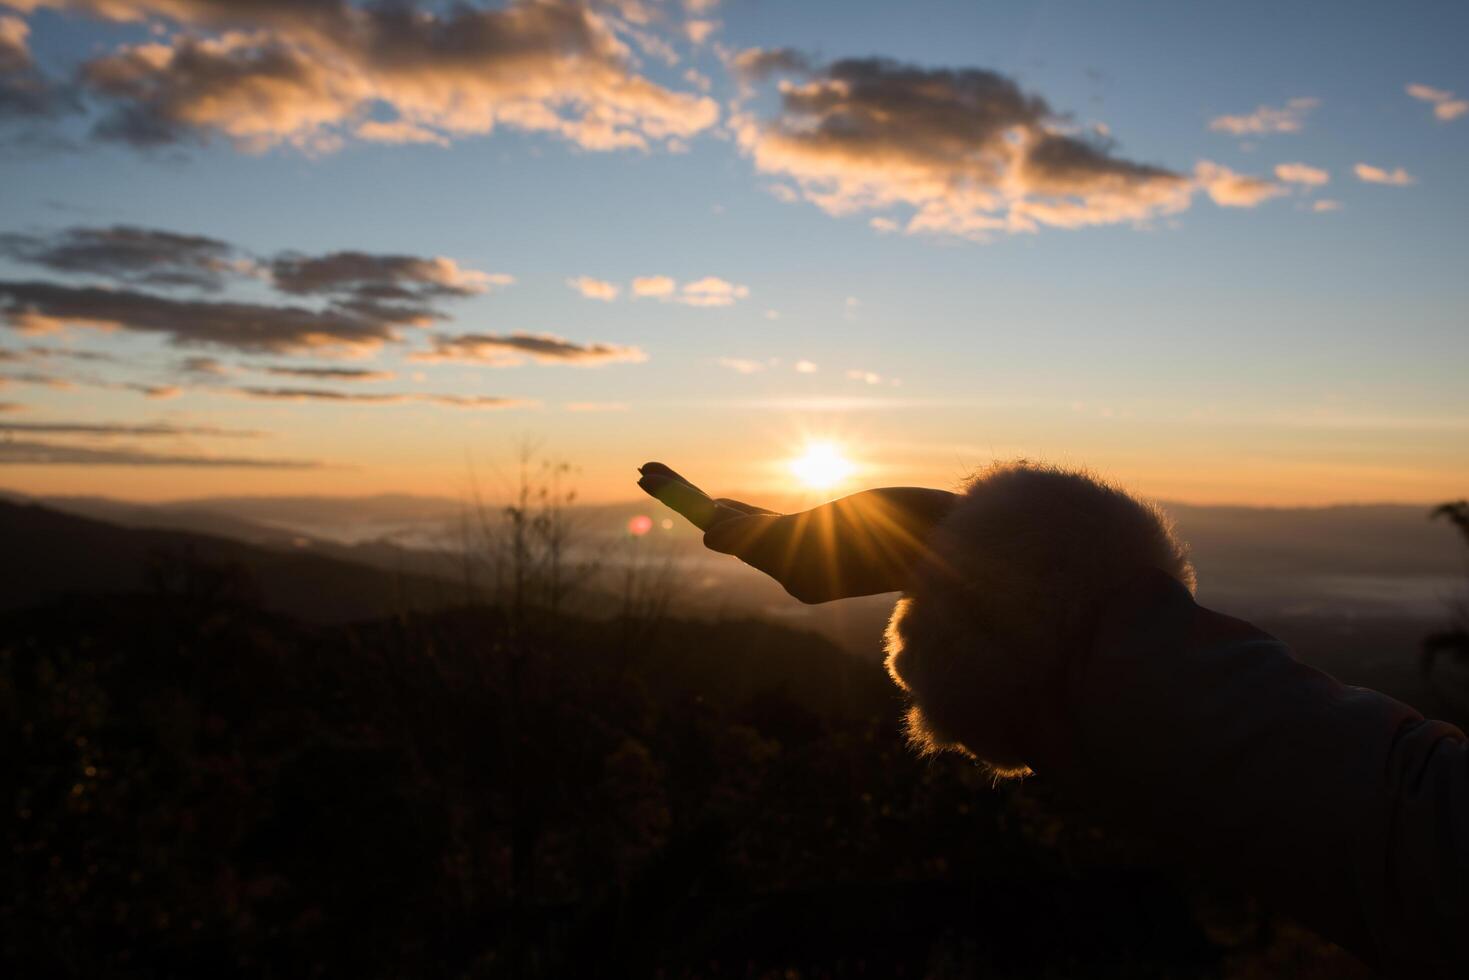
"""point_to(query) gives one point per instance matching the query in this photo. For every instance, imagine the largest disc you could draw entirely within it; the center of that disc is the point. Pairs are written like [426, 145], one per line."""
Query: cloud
[252, 327]
[12, 407]
[806, 367]
[207, 366]
[711, 291]
[1325, 204]
[475, 401]
[1445, 106]
[402, 287]
[1376, 175]
[699, 31]
[375, 398]
[329, 373]
[34, 378]
[15, 452]
[317, 394]
[1231, 190]
[758, 64]
[124, 253]
[505, 350]
[307, 74]
[866, 377]
[25, 93]
[594, 288]
[656, 286]
[740, 365]
[708, 291]
[965, 150]
[595, 407]
[160, 392]
[161, 429]
[394, 288]
[1288, 118]
[43, 352]
[1301, 173]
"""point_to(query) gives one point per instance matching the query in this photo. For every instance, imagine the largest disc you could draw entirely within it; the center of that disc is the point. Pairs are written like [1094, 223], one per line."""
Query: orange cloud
[1288, 118]
[1446, 107]
[1231, 190]
[598, 289]
[507, 350]
[1376, 175]
[306, 74]
[655, 286]
[1304, 174]
[966, 151]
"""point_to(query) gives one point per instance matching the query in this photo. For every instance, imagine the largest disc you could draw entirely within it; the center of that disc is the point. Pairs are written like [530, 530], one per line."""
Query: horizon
[277, 252]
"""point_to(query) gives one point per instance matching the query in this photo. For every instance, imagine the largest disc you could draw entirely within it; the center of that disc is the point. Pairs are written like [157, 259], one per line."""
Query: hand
[859, 545]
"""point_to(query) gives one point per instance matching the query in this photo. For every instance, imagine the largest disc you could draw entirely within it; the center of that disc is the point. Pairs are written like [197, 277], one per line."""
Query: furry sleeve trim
[1006, 596]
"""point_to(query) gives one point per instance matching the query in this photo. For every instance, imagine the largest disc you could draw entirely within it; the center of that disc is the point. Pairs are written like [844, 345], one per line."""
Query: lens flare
[821, 465]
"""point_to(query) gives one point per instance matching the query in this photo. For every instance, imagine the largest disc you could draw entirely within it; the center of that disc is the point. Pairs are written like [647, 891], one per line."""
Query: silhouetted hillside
[202, 788]
[50, 554]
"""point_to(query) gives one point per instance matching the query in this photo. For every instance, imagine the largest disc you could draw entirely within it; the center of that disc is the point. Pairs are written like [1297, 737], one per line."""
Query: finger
[660, 469]
[689, 501]
[741, 506]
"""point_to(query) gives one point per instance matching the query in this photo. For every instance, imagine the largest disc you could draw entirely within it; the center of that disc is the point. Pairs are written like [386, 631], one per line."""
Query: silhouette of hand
[862, 544]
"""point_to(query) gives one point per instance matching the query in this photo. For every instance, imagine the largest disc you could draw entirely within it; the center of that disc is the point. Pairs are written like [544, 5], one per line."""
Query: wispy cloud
[595, 407]
[505, 350]
[1289, 118]
[376, 276]
[37, 307]
[1232, 190]
[25, 92]
[708, 291]
[1397, 177]
[1446, 106]
[1303, 174]
[599, 289]
[25, 452]
[367, 297]
[124, 253]
[34, 378]
[160, 392]
[329, 373]
[1325, 204]
[375, 398]
[109, 429]
[740, 365]
[654, 286]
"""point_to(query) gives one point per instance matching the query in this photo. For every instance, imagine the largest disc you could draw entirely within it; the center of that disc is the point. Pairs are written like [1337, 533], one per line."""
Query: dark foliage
[1450, 644]
[200, 788]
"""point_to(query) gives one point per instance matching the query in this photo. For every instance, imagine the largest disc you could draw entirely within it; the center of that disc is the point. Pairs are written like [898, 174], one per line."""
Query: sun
[821, 466]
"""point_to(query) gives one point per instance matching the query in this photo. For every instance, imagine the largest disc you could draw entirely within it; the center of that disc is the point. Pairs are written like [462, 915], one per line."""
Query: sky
[1213, 252]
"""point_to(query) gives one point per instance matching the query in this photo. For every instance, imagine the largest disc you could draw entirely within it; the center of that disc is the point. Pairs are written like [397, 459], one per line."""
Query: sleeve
[1338, 804]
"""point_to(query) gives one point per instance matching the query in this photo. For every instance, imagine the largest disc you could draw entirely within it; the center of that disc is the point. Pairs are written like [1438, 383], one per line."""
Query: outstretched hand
[862, 544]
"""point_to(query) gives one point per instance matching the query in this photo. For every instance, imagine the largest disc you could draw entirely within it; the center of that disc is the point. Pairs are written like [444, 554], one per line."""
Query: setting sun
[821, 465]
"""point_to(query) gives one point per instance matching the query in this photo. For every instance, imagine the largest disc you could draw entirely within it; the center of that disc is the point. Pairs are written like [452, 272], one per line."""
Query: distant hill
[49, 554]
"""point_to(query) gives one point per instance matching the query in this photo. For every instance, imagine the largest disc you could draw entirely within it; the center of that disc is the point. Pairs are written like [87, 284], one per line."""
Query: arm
[1048, 625]
[1339, 804]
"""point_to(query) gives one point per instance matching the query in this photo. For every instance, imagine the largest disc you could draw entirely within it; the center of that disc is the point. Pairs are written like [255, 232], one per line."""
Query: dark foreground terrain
[196, 785]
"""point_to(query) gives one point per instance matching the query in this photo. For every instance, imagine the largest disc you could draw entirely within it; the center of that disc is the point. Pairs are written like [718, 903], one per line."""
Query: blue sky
[1263, 352]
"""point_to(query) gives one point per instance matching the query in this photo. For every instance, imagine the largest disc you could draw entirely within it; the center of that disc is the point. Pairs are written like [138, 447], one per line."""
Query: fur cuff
[1013, 582]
